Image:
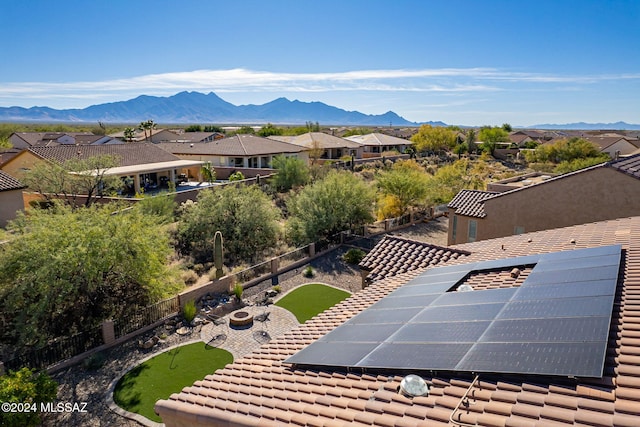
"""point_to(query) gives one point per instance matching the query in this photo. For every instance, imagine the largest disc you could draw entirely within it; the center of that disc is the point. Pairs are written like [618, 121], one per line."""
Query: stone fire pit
[240, 318]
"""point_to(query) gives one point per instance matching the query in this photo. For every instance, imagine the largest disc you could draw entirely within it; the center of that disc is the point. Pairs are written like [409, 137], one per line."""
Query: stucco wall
[594, 195]
[10, 203]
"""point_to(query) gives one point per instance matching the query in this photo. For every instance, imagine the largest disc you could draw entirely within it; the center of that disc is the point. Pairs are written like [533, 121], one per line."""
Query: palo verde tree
[402, 187]
[338, 202]
[290, 172]
[434, 139]
[88, 178]
[565, 155]
[68, 270]
[490, 136]
[246, 216]
[25, 387]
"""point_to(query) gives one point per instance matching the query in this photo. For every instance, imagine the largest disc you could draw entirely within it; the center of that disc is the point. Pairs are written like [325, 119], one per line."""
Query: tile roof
[237, 145]
[262, 390]
[395, 255]
[470, 202]
[378, 139]
[128, 154]
[8, 183]
[318, 139]
[604, 142]
[627, 165]
[50, 138]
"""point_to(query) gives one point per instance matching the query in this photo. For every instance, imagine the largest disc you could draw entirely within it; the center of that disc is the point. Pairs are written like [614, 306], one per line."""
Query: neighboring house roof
[9, 183]
[35, 139]
[237, 145]
[395, 255]
[627, 165]
[605, 142]
[261, 389]
[318, 139]
[127, 154]
[378, 139]
[519, 138]
[470, 202]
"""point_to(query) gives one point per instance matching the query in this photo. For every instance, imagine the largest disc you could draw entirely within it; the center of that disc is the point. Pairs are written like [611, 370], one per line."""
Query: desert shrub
[308, 272]
[189, 277]
[238, 290]
[189, 311]
[94, 362]
[353, 256]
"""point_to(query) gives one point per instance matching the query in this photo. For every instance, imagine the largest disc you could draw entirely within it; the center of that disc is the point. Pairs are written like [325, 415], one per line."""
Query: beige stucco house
[140, 164]
[374, 144]
[607, 191]
[329, 147]
[11, 200]
[237, 151]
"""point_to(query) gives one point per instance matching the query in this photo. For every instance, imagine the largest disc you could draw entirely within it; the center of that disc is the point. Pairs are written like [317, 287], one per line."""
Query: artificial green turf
[167, 373]
[309, 300]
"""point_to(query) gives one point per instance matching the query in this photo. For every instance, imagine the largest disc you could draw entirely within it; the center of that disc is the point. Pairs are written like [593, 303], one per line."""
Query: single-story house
[238, 151]
[23, 140]
[11, 200]
[328, 146]
[531, 330]
[615, 146]
[374, 144]
[141, 164]
[606, 191]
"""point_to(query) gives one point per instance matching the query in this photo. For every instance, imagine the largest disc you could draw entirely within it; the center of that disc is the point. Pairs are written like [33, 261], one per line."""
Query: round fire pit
[240, 318]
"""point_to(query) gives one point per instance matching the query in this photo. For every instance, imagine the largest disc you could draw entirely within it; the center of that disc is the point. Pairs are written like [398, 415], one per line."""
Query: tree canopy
[246, 217]
[338, 202]
[566, 155]
[402, 187]
[75, 177]
[67, 270]
[25, 386]
[434, 139]
[291, 172]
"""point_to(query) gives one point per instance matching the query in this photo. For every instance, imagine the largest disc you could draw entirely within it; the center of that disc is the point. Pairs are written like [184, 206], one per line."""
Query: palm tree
[148, 125]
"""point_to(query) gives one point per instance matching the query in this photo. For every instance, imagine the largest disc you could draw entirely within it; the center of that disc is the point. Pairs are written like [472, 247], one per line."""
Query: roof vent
[413, 385]
[465, 288]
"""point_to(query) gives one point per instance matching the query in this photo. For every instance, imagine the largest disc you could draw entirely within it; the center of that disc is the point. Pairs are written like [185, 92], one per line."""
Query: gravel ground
[81, 385]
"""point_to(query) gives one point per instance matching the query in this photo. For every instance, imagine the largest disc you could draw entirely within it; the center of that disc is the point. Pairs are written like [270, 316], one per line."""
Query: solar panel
[556, 323]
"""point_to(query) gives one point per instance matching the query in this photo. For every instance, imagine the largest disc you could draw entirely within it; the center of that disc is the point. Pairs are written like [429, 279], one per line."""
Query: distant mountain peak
[196, 107]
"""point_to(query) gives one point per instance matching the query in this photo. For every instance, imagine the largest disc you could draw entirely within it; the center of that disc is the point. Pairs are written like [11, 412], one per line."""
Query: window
[454, 228]
[518, 230]
[473, 230]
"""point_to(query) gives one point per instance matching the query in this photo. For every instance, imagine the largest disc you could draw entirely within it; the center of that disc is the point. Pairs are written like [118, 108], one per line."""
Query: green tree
[246, 130]
[208, 172]
[507, 127]
[450, 179]
[268, 130]
[25, 386]
[490, 136]
[565, 155]
[129, 133]
[407, 182]
[193, 128]
[67, 270]
[88, 178]
[147, 126]
[246, 216]
[213, 128]
[471, 141]
[236, 176]
[338, 202]
[162, 206]
[291, 172]
[434, 139]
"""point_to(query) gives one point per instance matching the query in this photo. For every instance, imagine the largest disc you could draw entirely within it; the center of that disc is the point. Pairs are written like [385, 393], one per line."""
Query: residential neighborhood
[499, 217]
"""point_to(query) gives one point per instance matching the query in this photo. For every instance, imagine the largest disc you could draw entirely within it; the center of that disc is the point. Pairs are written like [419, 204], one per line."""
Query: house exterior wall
[623, 146]
[459, 226]
[10, 203]
[18, 165]
[589, 196]
[18, 142]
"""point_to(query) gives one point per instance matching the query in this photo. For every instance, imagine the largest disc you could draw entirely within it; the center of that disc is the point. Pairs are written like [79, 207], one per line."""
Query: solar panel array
[555, 323]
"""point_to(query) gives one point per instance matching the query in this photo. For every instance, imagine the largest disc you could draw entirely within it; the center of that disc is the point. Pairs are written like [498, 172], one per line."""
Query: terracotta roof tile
[329, 397]
[9, 183]
[394, 255]
[126, 154]
[470, 202]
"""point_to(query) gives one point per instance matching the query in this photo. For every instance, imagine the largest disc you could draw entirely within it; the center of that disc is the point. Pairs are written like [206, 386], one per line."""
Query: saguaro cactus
[218, 254]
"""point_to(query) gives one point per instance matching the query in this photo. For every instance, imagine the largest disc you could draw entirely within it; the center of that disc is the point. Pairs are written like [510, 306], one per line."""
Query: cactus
[218, 254]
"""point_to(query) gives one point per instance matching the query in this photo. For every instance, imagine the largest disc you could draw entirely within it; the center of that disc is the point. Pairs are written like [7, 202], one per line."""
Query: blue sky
[461, 62]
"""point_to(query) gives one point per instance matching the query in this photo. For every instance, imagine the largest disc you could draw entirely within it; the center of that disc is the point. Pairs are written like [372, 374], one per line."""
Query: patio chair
[262, 336]
[220, 337]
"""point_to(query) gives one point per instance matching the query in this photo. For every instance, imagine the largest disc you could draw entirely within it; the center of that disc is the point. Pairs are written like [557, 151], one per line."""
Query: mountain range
[196, 107]
[588, 126]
